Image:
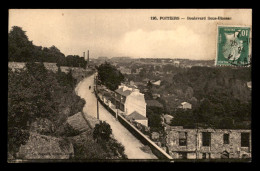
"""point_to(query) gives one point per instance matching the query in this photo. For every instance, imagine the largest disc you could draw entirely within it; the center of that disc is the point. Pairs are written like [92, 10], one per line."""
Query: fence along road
[131, 143]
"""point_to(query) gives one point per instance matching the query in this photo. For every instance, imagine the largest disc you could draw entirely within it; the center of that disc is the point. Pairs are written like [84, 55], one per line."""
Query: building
[156, 95]
[130, 101]
[185, 105]
[208, 143]
[16, 66]
[138, 118]
[157, 83]
[167, 118]
[249, 84]
[176, 63]
[51, 66]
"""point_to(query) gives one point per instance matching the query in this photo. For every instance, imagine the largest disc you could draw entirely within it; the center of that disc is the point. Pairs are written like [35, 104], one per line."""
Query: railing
[160, 153]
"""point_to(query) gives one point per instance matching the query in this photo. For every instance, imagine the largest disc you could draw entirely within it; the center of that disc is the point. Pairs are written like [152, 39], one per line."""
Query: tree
[102, 131]
[154, 116]
[184, 118]
[133, 70]
[142, 73]
[110, 76]
[20, 49]
[18, 45]
[149, 85]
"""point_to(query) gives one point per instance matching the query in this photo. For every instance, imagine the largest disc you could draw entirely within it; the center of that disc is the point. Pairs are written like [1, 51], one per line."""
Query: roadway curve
[121, 134]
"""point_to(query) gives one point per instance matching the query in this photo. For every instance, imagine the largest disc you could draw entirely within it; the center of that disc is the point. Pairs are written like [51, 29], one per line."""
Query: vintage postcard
[131, 85]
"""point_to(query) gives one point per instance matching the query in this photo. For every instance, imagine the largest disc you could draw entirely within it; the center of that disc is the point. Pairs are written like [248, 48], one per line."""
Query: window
[226, 138]
[206, 138]
[204, 155]
[182, 155]
[225, 155]
[182, 138]
[244, 139]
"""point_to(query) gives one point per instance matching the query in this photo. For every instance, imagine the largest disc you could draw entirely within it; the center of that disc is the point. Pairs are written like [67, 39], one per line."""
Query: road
[121, 134]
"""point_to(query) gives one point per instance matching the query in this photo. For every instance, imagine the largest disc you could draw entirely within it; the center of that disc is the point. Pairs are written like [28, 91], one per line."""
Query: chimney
[84, 55]
[88, 56]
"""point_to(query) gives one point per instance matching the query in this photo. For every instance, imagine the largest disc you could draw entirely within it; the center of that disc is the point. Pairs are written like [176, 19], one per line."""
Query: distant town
[185, 63]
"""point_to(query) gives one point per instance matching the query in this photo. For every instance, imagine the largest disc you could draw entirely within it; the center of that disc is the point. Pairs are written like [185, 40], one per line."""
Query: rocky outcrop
[78, 122]
[45, 147]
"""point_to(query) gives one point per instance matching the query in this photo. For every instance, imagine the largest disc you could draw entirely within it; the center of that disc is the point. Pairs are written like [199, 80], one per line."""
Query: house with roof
[185, 105]
[176, 63]
[249, 84]
[167, 118]
[157, 83]
[138, 118]
[131, 102]
[156, 95]
[208, 143]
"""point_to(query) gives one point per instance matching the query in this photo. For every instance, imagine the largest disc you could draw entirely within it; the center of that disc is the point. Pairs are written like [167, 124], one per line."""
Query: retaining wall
[160, 153]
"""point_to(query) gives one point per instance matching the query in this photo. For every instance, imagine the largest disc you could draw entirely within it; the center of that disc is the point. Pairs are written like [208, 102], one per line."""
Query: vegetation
[98, 144]
[41, 100]
[102, 131]
[219, 96]
[221, 113]
[224, 98]
[37, 93]
[109, 76]
[154, 118]
[85, 147]
[23, 50]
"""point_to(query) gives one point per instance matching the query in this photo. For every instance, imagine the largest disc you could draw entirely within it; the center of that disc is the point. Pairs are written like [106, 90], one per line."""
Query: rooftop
[168, 116]
[154, 103]
[136, 116]
[122, 92]
[183, 103]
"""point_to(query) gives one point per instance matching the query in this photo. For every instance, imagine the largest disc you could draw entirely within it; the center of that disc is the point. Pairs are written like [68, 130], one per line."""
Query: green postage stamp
[233, 46]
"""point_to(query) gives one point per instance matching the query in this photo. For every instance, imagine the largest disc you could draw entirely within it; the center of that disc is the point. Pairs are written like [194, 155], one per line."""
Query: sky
[127, 32]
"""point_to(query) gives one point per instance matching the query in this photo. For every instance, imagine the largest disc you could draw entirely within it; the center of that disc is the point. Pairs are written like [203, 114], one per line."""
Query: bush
[102, 131]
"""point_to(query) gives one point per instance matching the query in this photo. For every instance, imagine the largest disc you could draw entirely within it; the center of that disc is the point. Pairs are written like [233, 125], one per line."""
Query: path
[121, 134]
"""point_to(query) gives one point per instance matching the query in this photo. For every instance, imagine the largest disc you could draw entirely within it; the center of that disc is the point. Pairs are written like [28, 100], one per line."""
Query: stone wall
[194, 147]
[78, 73]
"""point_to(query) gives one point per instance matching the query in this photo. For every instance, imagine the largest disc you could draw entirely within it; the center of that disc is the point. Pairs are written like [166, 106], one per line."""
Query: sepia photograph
[129, 85]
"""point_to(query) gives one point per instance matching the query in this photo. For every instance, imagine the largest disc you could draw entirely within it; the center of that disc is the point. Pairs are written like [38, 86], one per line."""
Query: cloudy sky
[127, 32]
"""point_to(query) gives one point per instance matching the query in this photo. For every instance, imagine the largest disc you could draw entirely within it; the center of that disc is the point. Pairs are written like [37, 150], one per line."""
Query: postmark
[233, 46]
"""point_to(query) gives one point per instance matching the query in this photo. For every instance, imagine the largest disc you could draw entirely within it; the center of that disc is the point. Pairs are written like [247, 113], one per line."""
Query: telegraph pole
[97, 98]
[97, 110]
[116, 113]
[197, 141]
